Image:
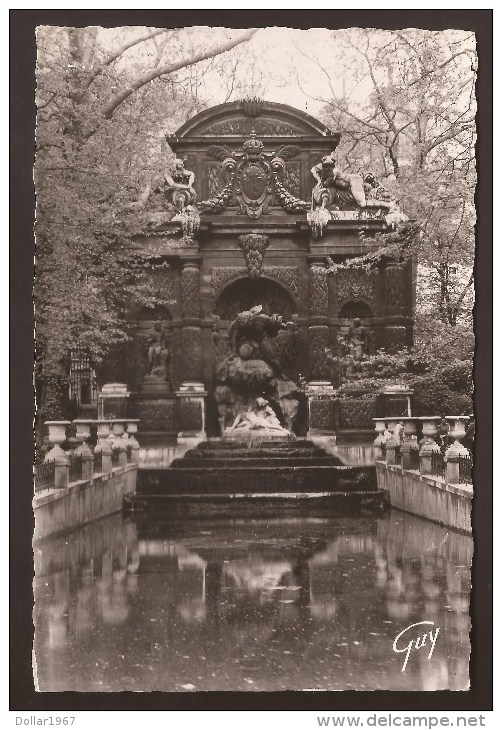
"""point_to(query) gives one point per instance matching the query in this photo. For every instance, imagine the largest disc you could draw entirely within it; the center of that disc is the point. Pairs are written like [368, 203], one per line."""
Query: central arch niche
[246, 293]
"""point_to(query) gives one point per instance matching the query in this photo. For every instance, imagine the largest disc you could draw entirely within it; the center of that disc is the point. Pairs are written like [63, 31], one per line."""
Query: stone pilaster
[191, 344]
[318, 294]
[190, 289]
[320, 370]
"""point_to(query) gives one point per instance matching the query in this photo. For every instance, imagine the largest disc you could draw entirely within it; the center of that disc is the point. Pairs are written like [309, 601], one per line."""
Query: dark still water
[255, 605]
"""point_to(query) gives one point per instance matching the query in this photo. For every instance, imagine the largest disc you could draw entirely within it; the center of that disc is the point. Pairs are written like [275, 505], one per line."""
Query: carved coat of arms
[252, 173]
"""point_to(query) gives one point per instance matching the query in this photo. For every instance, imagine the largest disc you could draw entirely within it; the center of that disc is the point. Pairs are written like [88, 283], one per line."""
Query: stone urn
[83, 434]
[457, 432]
[410, 428]
[103, 430]
[57, 436]
[429, 429]
[132, 426]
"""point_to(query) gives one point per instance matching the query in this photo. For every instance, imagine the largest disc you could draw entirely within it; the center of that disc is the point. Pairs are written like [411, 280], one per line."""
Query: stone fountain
[257, 464]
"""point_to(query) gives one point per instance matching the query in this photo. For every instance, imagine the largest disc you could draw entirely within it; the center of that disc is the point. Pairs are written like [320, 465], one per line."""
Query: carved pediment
[240, 118]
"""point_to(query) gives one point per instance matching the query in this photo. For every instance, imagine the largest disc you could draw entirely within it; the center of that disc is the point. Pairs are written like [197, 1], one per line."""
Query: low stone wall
[59, 510]
[427, 496]
[352, 453]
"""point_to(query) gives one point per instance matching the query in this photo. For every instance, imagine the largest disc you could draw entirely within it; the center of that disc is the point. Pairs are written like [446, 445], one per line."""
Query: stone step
[262, 453]
[216, 462]
[258, 505]
[237, 445]
[263, 479]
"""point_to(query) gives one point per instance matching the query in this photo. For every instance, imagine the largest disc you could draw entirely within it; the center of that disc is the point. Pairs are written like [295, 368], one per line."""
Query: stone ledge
[427, 496]
[463, 490]
[52, 495]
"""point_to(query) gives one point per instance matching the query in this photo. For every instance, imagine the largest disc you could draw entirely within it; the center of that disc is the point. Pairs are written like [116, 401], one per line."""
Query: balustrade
[116, 447]
[455, 467]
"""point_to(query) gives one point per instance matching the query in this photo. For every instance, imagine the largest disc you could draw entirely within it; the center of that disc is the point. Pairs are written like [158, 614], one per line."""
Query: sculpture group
[336, 190]
[252, 391]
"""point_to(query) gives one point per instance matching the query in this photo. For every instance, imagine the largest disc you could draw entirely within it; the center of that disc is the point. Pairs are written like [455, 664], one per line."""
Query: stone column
[191, 345]
[318, 327]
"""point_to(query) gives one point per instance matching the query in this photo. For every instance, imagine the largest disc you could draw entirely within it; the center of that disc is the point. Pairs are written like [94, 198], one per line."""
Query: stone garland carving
[156, 414]
[253, 246]
[318, 291]
[191, 353]
[357, 412]
[394, 290]
[190, 291]
[254, 175]
[353, 285]
[219, 201]
[289, 202]
[244, 127]
[287, 275]
[318, 344]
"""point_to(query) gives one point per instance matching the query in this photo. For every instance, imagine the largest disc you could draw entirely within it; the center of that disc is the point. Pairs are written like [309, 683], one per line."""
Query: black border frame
[22, 201]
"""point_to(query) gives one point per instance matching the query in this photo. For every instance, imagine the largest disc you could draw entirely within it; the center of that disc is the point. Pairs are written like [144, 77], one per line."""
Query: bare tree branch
[190, 60]
[113, 57]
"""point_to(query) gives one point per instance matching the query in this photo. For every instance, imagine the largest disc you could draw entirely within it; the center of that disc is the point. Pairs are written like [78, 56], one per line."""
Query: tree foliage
[406, 110]
[102, 117]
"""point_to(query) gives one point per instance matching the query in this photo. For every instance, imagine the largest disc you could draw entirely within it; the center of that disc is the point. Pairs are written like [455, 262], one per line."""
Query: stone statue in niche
[158, 353]
[251, 371]
[358, 339]
[154, 353]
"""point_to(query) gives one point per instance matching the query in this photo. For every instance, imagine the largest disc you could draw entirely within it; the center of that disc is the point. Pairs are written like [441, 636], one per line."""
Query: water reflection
[251, 605]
